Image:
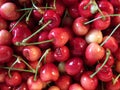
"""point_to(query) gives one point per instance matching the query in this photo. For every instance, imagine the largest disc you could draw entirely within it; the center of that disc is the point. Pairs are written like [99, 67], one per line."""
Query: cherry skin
[78, 46]
[3, 86]
[69, 2]
[14, 80]
[75, 86]
[117, 54]
[32, 53]
[73, 66]
[8, 11]
[51, 15]
[53, 88]
[63, 82]
[117, 65]
[87, 82]
[105, 74]
[34, 84]
[93, 53]
[61, 53]
[3, 23]
[5, 37]
[3, 1]
[23, 86]
[111, 44]
[49, 72]
[103, 23]
[116, 20]
[115, 3]
[59, 35]
[3, 74]
[106, 6]
[78, 26]
[6, 53]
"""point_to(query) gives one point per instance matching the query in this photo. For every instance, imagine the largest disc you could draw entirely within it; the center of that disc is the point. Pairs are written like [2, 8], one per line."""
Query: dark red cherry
[115, 3]
[69, 2]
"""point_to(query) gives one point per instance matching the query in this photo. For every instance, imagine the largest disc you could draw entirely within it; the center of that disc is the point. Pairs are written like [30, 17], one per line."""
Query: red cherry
[23, 86]
[78, 26]
[103, 23]
[2, 76]
[49, 72]
[61, 53]
[53, 88]
[59, 35]
[9, 11]
[5, 37]
[6, 54]
[76, 86]
[3, 23]
[115, 3]
[105, 74]
[32, 53]
[74, 65]
[3, 86]
[87, 82]
[93, 53]
[14, 80]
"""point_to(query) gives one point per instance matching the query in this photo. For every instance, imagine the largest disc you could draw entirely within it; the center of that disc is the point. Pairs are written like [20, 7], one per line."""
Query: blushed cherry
[49, 72]
[61, 53]
[94, 52]
[59, 35]
[5, 37]
[87, 82]
[78, 26]
[14, 80]
[75, 86]
[9, 11]
[32, 53]
[53, 88]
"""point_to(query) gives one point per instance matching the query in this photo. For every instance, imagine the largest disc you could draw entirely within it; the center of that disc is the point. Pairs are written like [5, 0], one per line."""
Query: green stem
[45, 53]
[115, 80]
[107, 56]
[110, 35]
[28, 17]
[26, 39]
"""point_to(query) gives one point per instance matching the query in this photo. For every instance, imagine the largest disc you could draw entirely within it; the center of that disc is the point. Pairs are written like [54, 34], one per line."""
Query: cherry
[59, 35]
[78, 26]
[9, 11]
[75, 86]
[78, 46]
[14, 80]
[115, 3]
[117, 65]
[49, 72]
[106, 6]
[103, 23]
[74, 65]
[69, 2]
[34, 84]
[93, 53]
[87, 82]
[3, 1]
[32, 53]
[51, 15]
[117, 54]
[5, 37]
[63, 82]
[111, 43]
[53, 88]
[37, 15]
[6, 53]
[3, 86]
[23, 86]
[116, 20]
[3, 23]
[61, 53]
[2, 76]
[105, 74]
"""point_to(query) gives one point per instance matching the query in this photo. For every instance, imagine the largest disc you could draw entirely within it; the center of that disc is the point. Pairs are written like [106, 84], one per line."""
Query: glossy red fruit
[53, 88]
[103, 23]
[9, 11]
[93, 53]
[105, 74]
[6, 53]
[3, 74]
[34, 84]
[3, 23]
[3, 86]
[87, 82]
[78, 26]
[5, 37]
[75, 86]
[49, 72]
[62, 53]
[63, 82]
[51, 15]
[74, 65]
[32, 53]
[59, 35]
[14, 80]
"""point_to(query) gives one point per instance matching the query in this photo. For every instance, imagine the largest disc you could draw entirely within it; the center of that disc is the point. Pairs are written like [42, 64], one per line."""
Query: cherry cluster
[59, 44]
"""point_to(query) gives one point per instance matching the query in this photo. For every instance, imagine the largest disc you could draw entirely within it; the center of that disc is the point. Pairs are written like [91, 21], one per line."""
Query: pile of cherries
[59, 44]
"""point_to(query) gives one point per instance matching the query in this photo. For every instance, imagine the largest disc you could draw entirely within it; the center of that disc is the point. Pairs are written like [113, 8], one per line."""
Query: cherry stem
[26, 39]
[107, 56]
[110, 35]
[115, 79]
[34, 5]
[111, 15]
[36, 72]
[28, 17]
[54, 6]
[17, 69]
[90, 2]
[19, 20]
[34, 43]
[40, 21]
